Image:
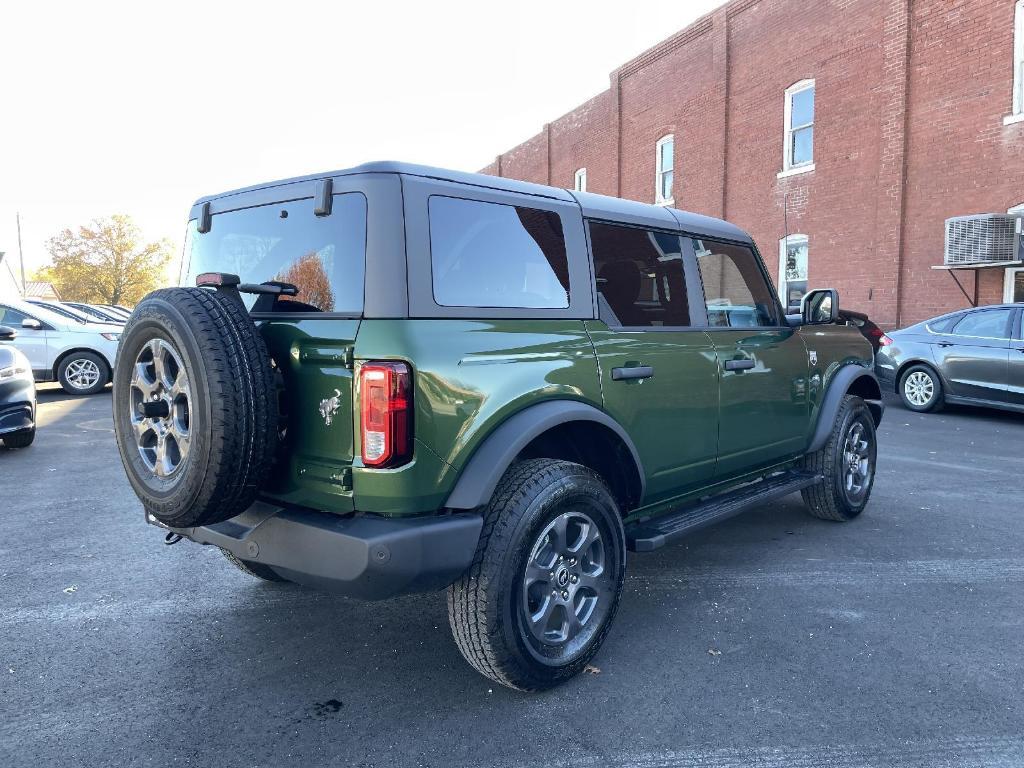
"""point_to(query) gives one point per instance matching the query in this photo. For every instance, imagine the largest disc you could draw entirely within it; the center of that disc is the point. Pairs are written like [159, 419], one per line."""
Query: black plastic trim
[841, 383]
[365, 556]
[483, 471]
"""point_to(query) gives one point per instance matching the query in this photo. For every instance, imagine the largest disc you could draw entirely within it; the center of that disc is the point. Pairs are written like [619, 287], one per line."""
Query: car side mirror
[31, 323]
[820, 306]
[7, 333]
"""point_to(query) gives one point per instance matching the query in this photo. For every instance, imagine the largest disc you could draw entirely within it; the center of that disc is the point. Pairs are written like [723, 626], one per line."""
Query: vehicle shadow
[53, 393]
[950, 409]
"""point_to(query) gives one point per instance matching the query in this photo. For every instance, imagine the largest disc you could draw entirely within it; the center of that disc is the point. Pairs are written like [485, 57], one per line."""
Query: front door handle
[633, 372]
[739, 365]
[945, 343]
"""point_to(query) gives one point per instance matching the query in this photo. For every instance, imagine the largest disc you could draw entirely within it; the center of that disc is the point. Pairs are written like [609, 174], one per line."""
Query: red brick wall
[909, 102]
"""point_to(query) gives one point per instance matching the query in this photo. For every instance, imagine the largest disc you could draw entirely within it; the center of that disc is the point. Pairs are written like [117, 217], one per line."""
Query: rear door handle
[739, 365]
[634, 372]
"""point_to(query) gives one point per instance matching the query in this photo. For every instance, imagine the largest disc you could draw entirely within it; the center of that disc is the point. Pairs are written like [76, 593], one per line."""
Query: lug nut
[565, 595]
[572, 561]
[554, 593]
[575, 578]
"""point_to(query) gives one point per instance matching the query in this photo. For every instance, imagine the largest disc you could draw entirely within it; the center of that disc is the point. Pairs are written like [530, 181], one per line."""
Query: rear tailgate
[310, 336]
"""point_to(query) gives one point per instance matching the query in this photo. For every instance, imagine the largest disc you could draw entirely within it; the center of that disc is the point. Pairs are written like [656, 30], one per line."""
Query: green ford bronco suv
[396, 379]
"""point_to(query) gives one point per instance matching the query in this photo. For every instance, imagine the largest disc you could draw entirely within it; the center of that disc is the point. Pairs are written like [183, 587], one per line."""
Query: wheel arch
[907, 364]
[64, 354]
[849, 380]
[557, 429]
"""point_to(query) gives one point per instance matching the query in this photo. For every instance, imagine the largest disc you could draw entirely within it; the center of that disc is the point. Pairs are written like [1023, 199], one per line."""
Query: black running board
[651, 533]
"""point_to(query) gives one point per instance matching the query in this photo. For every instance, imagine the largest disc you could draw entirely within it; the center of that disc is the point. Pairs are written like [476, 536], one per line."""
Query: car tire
[511, 611]
[256, 570]
[920, 389]
[19, 439]
[200, 456]
[846, 463]
[83, 373]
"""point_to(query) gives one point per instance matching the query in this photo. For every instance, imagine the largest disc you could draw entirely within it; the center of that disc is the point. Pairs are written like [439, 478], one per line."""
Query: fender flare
[842, 382]
[488, 463]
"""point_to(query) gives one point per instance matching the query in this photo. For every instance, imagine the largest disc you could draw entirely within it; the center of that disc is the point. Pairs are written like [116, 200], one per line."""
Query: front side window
[579, 182]
[496, 255]
[11, 317]
[792, 271]
[989, 324]
[639, 276]
[324, 256]
[799, 120]
[735, 289]
[663, 174]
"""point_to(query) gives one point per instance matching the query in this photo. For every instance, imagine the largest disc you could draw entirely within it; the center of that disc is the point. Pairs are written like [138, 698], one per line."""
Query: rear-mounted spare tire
[195, 409]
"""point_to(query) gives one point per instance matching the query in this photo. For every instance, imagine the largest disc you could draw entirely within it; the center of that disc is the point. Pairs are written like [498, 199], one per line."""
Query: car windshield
[64, 311]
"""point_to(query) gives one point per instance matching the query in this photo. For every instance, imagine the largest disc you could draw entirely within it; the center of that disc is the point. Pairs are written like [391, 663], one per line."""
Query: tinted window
[639, 276]
[11, 317]
[494, 255]
[735, 289]
[324, 256]
[944, 324]
[992, 324]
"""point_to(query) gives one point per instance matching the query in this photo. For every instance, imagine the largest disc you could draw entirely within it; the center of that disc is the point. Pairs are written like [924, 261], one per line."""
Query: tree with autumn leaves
[105, 262]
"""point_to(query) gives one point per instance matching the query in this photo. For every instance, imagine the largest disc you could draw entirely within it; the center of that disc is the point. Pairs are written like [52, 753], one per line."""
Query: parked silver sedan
[974, 357]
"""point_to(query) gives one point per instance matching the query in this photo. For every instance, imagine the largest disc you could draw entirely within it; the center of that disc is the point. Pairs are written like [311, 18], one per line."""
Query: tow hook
[172, 538]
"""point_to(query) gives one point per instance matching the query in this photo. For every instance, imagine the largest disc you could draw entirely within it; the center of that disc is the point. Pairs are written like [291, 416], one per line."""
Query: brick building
[858, 126]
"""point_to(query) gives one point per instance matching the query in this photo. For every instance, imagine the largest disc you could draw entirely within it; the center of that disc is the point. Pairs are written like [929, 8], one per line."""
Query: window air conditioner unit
[982, 238]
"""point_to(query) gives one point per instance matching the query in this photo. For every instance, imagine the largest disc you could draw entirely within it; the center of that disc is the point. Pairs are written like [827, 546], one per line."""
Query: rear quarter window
[323, 256]
[496, 255]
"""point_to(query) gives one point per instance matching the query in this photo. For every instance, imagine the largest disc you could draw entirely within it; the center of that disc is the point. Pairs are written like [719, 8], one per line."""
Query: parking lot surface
[773, 639]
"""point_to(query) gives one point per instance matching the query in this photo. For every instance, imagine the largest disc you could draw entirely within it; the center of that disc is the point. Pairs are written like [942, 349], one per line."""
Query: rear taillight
[884, 340]
[385, 413]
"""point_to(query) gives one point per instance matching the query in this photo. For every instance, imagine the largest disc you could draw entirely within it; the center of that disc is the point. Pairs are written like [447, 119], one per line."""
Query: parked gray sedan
[974, 357]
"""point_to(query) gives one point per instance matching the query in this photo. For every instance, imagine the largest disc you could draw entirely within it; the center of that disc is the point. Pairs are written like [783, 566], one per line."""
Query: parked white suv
[79, 355]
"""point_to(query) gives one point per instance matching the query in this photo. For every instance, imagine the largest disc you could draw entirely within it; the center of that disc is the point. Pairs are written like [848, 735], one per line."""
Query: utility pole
[21, 256]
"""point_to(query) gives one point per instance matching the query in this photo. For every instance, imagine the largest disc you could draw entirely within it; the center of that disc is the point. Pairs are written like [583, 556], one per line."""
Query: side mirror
[7, 333]
[31, 323]
[820, 306]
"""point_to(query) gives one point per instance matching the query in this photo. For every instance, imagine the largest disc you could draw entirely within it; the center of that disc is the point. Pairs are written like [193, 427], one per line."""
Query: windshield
[62, 310]
[324, 256]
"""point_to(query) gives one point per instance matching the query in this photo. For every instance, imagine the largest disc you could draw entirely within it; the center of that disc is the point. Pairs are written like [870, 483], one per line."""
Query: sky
[140, 108]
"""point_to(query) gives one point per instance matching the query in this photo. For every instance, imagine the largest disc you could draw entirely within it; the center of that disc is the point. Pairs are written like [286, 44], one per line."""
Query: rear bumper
[364, 556]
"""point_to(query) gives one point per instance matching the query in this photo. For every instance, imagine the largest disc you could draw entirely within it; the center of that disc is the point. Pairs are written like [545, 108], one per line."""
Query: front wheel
[83, 373]
[544, 585]
[847, 464]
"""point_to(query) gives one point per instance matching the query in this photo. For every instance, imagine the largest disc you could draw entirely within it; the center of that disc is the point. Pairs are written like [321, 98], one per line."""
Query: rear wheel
[921, 389]
[83, 373]
[544, 586]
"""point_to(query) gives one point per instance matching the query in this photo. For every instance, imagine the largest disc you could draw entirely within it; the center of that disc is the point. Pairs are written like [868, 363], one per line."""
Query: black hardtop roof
[592, 205]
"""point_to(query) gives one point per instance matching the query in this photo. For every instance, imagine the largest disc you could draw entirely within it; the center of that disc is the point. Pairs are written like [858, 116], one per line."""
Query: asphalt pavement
[773, 639]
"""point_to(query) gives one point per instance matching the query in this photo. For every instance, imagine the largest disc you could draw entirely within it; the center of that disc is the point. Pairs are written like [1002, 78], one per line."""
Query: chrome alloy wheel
[82, 373]
[919, 388]
[161, 406]
[567, 583]
[858, 467]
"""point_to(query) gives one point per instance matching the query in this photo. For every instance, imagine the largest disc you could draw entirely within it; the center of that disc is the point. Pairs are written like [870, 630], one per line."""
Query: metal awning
[980, 265]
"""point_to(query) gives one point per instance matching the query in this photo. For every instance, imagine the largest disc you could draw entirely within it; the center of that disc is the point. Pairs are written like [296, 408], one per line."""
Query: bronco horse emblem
[329, 406]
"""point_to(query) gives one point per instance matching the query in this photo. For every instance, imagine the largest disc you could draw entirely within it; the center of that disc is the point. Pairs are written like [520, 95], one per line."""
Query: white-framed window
[1018, 65]
[792, 271]
[1013, 280]
[798, 135]
[579, 180]
[664, 153]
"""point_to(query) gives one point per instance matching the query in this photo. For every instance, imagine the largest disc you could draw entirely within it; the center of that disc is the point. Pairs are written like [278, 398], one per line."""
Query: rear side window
[639, 276]
[324, 256]
[496, 255]
[944, 324]
[735, 288]
[990, 324]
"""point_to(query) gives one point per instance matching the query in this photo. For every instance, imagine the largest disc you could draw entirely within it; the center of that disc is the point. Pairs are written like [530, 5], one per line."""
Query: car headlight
[15, 372]
[111, 336]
